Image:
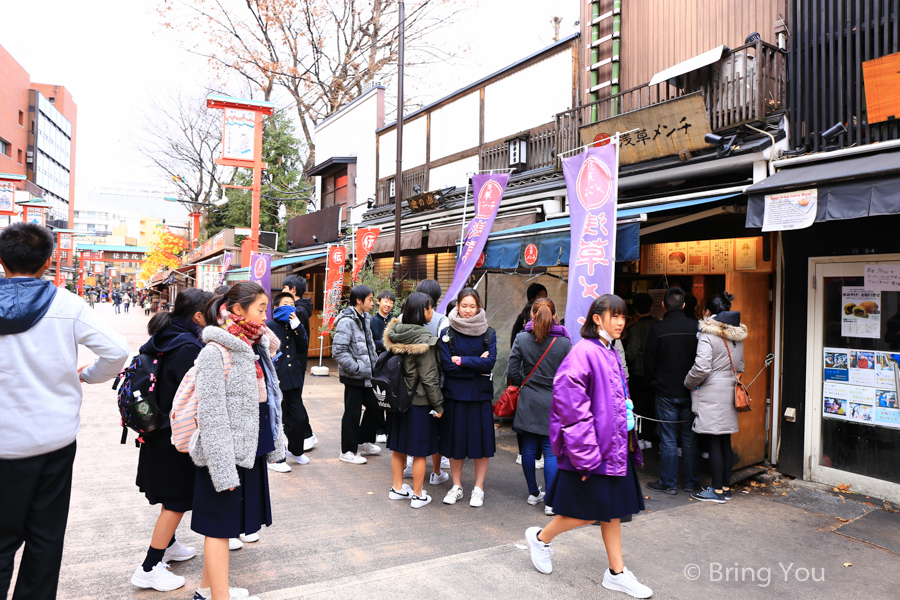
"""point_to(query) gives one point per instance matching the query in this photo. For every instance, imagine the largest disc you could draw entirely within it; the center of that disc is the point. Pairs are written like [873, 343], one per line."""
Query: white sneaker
[438, 479]
[281, 467]
[310, 442]
[704, 455]
[532, 499]
[445, 463]
[539, 464]
[160, 578]
[407, 473]
[235, 544]
[548, 510]
[540, 552]
[477, 498]
[626, 582]
[381, 439]
[233, 593]
[519, 459]
[455, 493]
[404, 493]
[249, 539]
[178, 552]
[420, 501]
[369, 448]
[354, 459]
[300, 460]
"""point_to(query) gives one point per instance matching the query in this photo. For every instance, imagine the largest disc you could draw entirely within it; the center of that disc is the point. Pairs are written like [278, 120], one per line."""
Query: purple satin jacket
[588, 427]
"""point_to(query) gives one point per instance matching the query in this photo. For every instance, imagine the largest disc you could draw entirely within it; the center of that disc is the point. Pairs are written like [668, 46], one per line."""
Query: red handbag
[509, 399]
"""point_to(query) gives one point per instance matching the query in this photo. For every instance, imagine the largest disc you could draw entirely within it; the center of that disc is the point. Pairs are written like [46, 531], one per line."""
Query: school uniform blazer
[471, 380]
[289, 367]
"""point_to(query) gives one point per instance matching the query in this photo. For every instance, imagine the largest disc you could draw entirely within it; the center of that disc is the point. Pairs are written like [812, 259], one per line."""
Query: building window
[5, 148]
[19, 155]
[334, 189]
[21, 119]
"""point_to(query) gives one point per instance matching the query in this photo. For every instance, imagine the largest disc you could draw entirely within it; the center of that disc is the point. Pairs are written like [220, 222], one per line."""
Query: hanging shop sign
[861, 316]
[34, 214]
[334, 283]
[861, 386]
[7, 197]
[488, 190]
[530, 255]
[365, 240]
[591, 178]
[238, 134]
[480, 262]
[790, 210]
[208, 277]
[664, 129]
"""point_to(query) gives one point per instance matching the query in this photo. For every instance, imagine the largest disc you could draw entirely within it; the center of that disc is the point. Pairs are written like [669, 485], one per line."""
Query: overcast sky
[112, 55]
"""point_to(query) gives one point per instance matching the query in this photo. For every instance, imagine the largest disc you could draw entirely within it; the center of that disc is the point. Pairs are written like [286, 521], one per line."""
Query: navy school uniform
[290, 367]
[466, 429]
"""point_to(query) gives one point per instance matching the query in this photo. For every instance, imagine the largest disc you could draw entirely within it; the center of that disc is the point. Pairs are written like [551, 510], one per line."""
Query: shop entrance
[853, 414]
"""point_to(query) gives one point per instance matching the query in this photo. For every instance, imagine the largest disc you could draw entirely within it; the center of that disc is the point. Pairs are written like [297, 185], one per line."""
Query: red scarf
[241, 328]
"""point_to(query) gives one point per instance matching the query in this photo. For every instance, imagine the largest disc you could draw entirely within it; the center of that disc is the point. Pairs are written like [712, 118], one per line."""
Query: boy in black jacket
[291, 375]
[296, 286]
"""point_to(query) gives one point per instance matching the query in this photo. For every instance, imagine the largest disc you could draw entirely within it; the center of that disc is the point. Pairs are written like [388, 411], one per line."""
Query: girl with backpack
[593, 438]
[238, 430]
[535, 358]
[165, 475]
[468, 354]
[415, 432]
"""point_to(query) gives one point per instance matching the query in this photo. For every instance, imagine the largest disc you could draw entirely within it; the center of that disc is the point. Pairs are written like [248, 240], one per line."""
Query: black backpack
[389, 383]
[137, 402]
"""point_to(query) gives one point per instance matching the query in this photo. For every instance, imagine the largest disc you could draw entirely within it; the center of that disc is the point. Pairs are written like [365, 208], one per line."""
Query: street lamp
[195, 214]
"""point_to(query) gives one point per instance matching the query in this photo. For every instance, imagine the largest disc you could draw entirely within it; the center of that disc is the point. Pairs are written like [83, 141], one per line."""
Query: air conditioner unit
[739, 72]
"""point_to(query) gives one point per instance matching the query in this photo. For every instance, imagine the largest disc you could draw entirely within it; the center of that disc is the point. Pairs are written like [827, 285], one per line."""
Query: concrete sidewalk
[336, 534]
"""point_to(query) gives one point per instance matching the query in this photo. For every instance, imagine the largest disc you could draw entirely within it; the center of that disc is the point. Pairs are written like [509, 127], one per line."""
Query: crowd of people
[577, 413]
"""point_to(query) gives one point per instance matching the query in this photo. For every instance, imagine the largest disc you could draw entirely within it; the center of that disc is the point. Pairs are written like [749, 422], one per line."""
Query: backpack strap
[226, 357]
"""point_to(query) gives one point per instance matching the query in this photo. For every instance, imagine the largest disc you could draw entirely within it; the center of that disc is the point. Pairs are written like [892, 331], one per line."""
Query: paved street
[336, 534]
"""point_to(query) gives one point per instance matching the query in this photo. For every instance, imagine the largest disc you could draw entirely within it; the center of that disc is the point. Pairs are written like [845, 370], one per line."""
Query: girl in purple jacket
[591, 430]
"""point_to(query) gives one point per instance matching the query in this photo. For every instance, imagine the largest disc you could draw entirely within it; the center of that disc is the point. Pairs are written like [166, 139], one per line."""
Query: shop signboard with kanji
[663, 129]
[123, 256]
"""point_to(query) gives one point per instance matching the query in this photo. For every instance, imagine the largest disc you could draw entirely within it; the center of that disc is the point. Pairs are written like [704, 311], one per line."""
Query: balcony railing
[410, 180]
[747, 84]
[539, 147]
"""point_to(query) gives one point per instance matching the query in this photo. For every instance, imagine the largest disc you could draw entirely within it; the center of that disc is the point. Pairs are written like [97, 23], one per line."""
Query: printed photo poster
[861, 316]
[721, 256]
[698, 257]
[861, 385]
[676, 256]
[790, 210]
[837, 365]
[745, 254]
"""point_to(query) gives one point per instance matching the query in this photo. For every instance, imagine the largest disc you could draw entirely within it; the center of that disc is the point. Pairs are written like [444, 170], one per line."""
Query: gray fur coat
[228, 410]
[711, 380]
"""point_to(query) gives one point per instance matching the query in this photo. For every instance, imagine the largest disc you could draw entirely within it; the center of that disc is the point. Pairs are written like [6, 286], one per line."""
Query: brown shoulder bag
[741, 395]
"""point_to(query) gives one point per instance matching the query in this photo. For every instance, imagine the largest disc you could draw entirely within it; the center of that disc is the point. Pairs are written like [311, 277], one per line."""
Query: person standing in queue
[296, 286]
[165, 475]
[239, 430]
[286, 326]
[353, 348]
[532, 293]
[641, 391]
[592, 432]
[382, 316]
[468, 355]
[415, 432]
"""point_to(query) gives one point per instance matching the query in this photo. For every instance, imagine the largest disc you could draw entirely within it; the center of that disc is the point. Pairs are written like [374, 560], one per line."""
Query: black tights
[721, 459]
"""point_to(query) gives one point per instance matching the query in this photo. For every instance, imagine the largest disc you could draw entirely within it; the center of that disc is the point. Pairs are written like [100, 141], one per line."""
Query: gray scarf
[473, 326]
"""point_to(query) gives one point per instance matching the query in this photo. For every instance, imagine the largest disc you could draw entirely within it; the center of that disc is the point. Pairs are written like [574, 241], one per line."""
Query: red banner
[334, 283]
[365, 239]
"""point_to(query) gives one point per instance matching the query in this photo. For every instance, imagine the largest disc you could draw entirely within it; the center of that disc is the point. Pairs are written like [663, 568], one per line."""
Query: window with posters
[858, 413]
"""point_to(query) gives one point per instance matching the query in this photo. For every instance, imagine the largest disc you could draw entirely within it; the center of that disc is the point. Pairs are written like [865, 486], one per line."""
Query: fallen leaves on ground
[848, 564]
[843, 487]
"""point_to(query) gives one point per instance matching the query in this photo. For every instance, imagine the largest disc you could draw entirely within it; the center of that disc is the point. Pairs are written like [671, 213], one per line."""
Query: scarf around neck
[245, 330]
[556, 330]
[473, 326]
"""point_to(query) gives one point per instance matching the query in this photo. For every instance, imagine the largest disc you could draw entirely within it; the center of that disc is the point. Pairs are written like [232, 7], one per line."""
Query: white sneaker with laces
[354, 459]
[381, 439]
[626, 582]
[233, 594]
[455, 493]
[310, 443]
[477, 499]
[539, 464]
[437, 479]
[540, 552]
[249, 539]
[281, 467]
[235, 544]
[159, 578]
[404, 493]
[178, 552]
[548, 510]
[369, 448]
[420, 501]
[445, 463]
[407, 473]
[532, 499]
[519, 459]
[300, 460]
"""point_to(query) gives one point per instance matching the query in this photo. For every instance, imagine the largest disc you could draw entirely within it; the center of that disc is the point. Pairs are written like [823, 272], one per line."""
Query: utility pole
[398, 178]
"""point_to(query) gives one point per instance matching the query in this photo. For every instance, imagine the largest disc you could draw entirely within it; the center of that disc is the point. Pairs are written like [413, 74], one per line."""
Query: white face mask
[605, 335]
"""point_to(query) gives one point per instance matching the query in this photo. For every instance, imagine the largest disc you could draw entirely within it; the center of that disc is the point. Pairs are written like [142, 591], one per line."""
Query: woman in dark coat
[165, 475]
[541, 348]
[468, 354]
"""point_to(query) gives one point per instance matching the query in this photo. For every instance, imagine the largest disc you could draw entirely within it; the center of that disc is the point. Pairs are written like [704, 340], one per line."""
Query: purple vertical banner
[261, 273]
[488, 191]
[228, 258]
[591, 187]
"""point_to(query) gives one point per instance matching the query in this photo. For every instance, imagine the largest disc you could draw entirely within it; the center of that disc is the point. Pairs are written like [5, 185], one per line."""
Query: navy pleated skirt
[228, 514]
[599, 498]
[466, 429]
[414, 432]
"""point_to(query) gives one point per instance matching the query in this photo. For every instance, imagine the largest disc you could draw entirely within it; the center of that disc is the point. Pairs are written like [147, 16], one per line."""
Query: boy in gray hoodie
[40, 330]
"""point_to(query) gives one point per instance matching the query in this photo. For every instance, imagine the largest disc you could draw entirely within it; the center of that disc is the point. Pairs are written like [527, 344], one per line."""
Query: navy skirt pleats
[414, 432]
[599, 498]
[466, 429]
[228, 514]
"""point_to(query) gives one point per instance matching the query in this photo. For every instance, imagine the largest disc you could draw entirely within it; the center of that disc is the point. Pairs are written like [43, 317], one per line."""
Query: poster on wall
[656, 260]
[883, 278]
[676, 253]
[862, 386]
[790, 210]
[861, 315]
[745, 254]
[698, 257]
[721, 259]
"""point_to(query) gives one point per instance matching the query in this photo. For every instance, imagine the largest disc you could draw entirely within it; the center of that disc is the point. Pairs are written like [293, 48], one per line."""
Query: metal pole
[398, 178]
[257, 185]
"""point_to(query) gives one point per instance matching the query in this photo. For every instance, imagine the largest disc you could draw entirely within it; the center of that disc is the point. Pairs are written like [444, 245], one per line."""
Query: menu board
[721, 258]
[745, 254]
[862, 386]
[655, 263]
[698, 257]
[676, 253]
[861, 314]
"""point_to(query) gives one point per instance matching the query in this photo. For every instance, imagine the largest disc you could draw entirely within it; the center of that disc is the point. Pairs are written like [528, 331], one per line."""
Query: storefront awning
[292, 260]
[849, 188]
[448, 236]
[409, 240]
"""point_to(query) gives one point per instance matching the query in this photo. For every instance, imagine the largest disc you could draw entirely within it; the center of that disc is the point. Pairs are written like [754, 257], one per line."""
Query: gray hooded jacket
[228, 410]
[353, 346]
